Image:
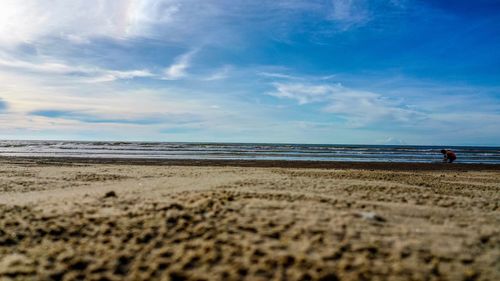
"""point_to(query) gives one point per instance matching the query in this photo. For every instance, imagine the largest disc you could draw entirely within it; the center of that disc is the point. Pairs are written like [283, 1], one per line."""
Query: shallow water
[246, 151]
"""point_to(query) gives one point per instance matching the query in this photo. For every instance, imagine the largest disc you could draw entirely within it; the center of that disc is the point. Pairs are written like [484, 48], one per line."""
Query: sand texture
[83, 221]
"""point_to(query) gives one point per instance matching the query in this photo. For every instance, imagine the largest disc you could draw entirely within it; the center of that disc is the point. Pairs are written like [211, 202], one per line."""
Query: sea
[246, 151]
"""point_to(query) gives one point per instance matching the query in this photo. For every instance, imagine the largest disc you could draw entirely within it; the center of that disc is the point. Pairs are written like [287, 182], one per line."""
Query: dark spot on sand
[110, 194]
[172, 221]
[192, 263]
[288, 261]
[177, 276]
[405, 253]
[79, 265]
[329, 277]
[163, 265]
[7, 241]
[242, 271]
[145, 238]
[306, 276]
[57, 276]
[174, 206]
[122, 265]
[259, 253]
[484, 239]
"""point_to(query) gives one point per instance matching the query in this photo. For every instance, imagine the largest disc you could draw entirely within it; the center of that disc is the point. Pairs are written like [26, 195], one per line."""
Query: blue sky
[294, 71]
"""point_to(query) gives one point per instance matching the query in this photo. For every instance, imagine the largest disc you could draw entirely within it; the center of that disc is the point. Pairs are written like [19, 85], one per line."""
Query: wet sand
[90, 219]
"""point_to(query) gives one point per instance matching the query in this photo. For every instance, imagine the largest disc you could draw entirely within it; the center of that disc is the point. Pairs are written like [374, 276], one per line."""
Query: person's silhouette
[449, 156]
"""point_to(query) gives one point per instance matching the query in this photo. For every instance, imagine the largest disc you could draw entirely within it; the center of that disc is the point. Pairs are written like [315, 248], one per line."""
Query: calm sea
[250, 151]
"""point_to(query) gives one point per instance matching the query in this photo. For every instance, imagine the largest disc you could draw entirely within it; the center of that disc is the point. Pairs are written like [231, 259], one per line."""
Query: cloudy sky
[295, 71]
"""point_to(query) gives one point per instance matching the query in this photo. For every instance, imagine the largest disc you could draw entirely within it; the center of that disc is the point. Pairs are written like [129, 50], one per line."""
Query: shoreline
[385, 166]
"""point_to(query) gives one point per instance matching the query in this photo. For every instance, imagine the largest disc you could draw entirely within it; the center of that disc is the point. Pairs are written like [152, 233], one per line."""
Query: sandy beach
[68, 219]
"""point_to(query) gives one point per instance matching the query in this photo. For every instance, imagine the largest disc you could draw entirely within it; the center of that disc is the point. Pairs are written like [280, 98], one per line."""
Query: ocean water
[246, 151]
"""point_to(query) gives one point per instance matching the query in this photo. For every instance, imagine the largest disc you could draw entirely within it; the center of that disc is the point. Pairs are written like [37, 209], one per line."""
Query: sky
[282, 71]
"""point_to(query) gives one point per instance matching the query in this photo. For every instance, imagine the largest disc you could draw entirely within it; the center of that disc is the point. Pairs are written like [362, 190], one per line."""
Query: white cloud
[42, 67]
[74, 105]
[456, 114]
[77, 40]
[392, 141]
[219, 74]
[29, 20]
[47, 66]
[80, 21]
[24, 94]
[279, 75]
[302, 93]
[36, 106]
[360, 108]
[179, 68]
[349, 12]
[112, 75]
[283, 76]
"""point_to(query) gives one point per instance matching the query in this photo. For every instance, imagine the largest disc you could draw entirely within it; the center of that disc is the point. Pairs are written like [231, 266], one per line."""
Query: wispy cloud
[42, 67]
[219, 74]
[349, 13]
[87, 117]
[178, 69]
[88, 73]
[165, 20]
[359, 108]
[279, 75]
[112, 75]
[303, 93]
[104, 108]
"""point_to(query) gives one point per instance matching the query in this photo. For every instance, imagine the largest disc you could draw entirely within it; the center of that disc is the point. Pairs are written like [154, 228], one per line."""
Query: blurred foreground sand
[123, 222]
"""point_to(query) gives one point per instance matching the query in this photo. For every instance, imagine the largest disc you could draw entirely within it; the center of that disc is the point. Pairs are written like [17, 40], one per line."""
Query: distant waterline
[246, 151]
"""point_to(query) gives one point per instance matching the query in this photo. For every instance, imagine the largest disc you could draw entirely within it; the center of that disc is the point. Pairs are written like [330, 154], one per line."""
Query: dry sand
[68, 220]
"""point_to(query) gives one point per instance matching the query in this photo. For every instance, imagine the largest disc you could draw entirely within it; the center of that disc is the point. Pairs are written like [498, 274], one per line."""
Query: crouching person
[449, 156]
